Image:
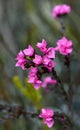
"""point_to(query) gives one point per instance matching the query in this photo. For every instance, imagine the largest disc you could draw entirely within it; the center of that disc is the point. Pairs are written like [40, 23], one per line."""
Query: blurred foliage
[29, 91]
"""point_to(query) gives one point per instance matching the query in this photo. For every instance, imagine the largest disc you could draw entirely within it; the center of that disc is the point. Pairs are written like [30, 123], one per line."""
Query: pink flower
[20, 60]
[37, 84]
[64, 46]
[45, 60]
[50, 52]
[37, 60]
[20, 56]
[60, 10]
[29, 51]
[47, 115]
[32, 78]
[48, 63]
[35, 81]
[21, 63]
[42, 46]
[48, 80]
[33, 70]
[49, 122]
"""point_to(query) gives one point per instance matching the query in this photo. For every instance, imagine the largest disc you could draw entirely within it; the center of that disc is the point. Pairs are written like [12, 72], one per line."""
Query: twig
[61, 85]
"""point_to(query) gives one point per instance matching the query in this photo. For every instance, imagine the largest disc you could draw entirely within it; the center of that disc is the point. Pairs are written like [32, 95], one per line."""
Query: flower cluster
[61, 10]
[48, 117]
[44, 63]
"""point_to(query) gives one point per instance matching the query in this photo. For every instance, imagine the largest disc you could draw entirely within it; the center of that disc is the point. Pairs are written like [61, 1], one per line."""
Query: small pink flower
[48, 63]
[50, 52]
[37, 84]
[21, 63]
[33, 70]
[29, 51]
[20, 56]
[47, 115]
[32, 78]
[49, 122]
[64, 46]
[42, 46]
[37, 60]
[60, 10]
[20, 60]
[48, 80]
[45, 60]
[35, 81]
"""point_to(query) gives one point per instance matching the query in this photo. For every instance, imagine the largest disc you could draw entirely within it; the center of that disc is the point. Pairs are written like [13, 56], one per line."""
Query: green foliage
[29, 91]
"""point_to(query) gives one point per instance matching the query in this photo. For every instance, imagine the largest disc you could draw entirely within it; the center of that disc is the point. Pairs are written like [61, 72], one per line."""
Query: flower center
[50, 64]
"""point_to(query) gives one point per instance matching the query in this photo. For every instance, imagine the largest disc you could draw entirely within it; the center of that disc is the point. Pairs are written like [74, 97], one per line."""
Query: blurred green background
[24, 22]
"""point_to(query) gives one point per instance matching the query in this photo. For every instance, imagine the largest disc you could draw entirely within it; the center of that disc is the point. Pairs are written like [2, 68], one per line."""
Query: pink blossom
[32, 78]
[49, 122]
[48, 63]
[64, 46]
[20, 60]
[42, 46]
[45, 60]
[48, 80]
[50, 52]
[47, 115]
[60, 10]
[37, 84]
[20, 56]
[37, 60]
[29, 51]
[33, 70]
[35, 81]
[21, 63]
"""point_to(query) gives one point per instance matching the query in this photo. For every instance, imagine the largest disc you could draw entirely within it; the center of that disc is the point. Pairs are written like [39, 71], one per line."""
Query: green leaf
[29, 91]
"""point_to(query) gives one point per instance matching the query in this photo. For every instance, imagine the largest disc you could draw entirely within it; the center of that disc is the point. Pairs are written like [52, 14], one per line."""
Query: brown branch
[59, 82]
